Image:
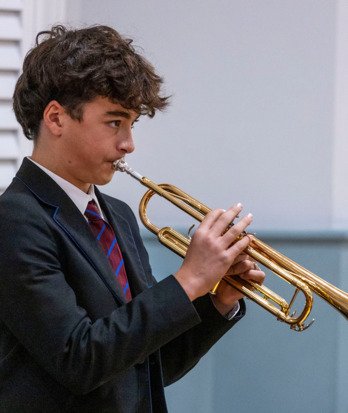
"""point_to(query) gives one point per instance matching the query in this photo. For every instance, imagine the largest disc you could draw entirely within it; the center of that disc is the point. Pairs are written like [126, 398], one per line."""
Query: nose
[126, 145]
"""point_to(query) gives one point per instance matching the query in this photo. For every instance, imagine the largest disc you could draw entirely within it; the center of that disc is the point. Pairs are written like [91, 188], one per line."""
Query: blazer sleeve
[180, 355]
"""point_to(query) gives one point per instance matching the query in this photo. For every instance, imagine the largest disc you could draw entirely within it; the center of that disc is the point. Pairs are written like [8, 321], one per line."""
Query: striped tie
[107, 239]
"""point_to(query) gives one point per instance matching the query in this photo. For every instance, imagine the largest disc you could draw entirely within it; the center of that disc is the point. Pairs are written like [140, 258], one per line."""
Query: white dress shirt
[79, 198]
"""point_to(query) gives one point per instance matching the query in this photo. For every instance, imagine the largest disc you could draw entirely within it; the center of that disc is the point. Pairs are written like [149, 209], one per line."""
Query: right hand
[212, 251]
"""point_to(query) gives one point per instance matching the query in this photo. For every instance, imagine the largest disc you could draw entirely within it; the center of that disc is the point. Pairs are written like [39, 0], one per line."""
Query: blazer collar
[67, 216]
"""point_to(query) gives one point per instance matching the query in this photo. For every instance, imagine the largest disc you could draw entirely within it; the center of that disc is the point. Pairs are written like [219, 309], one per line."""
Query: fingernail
[250, 216]
[239, 205]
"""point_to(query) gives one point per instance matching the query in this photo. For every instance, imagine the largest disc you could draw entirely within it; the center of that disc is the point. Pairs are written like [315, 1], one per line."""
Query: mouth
[115, 164]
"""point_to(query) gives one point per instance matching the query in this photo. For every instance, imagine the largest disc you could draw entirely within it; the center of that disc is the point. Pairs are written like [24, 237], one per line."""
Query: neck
[50, 166]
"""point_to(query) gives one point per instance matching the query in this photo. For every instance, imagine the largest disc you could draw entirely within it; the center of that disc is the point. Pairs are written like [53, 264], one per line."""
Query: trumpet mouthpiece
[120, 165]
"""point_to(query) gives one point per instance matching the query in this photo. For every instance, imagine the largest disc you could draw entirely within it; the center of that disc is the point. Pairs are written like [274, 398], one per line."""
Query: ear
[53, 117]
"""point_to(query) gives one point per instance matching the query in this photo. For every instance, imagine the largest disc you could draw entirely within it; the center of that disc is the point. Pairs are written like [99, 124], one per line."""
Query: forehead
[104, 107]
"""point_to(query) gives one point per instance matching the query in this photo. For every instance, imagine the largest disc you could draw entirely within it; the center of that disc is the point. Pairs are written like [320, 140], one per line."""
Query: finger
[241, 267]
[225, 219]
[238, 247]
[256, 276]
[242, 257]
[233, 233]
[211, 218]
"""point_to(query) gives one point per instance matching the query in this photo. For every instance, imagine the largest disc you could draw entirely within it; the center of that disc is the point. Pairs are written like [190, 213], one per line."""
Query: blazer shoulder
[16, 197]
[115, 201]
[119, 206]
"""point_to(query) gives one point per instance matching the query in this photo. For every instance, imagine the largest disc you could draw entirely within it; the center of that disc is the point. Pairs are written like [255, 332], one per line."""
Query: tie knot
[92, 211]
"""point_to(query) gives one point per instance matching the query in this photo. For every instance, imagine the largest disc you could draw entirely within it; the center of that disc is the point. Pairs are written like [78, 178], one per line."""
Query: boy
[84, 327]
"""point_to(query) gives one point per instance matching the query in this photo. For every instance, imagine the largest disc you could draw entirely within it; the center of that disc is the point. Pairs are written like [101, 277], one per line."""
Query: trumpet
[303, 280]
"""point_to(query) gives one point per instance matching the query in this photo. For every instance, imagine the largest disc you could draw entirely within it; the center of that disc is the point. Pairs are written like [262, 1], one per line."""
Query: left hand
[226, 296]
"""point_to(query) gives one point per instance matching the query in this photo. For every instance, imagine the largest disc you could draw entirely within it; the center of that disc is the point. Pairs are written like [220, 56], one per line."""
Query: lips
[115, 163]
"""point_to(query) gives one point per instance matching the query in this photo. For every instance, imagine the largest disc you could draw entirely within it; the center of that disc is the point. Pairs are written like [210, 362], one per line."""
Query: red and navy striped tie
[107, 239]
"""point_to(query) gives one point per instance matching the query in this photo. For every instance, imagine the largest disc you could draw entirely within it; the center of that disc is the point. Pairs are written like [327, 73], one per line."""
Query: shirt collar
[79, 198]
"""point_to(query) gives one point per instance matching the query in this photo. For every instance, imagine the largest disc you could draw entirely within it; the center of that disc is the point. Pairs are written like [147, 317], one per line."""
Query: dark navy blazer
[68, 341]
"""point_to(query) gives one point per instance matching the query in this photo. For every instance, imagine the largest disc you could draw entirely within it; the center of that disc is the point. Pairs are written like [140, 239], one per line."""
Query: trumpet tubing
[303, 280]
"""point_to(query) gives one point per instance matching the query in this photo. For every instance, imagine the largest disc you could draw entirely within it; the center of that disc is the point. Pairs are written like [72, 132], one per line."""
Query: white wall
[252, 114]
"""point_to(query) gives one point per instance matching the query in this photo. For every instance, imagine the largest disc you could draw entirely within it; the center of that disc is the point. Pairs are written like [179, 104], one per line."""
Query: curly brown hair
[75, 66]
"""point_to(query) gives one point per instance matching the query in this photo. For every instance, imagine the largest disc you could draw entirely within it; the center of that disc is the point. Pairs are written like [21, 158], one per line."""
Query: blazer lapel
[77, 228]
[67, 216]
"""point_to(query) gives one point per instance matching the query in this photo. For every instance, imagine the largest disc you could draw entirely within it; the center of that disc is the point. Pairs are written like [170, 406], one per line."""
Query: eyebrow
[121, 113]
[118, 113]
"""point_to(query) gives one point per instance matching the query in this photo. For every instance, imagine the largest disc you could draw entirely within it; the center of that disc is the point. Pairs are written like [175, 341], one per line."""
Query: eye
[115, 123]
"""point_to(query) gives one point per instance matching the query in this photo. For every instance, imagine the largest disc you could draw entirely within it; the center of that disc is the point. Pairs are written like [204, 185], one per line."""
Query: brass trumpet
[303, 280]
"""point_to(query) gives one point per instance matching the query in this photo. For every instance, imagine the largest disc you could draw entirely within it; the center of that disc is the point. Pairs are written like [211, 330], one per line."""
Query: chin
[103, 180]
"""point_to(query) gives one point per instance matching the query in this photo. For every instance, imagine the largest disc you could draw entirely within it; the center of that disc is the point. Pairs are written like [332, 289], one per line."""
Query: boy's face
[90, 146]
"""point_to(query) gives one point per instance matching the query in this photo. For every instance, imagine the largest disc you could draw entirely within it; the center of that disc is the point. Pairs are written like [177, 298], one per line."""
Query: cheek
[85, 145]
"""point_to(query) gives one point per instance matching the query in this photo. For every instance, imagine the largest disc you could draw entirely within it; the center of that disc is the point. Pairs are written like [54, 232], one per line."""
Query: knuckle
[225, 258]
[199, 234]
